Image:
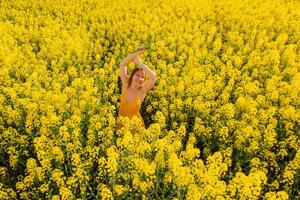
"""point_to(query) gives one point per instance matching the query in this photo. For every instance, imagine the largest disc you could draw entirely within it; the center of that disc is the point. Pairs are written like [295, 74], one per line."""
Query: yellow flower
[58, 154]
[55, 197]
[31, 165]
[71, 181]
[9, 193]
[119, 189]
[112, 161]
[193, 192]
[65, 193]
[227, 110]
[282, 195]
[270, 196]
[44, 188]
[105, 193]
[144, 186]
[57, 176]
[13, 158]
[190, 153]
[160, 118]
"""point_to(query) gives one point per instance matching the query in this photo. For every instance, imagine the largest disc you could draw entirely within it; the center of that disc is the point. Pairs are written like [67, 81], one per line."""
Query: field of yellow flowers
[222, 118]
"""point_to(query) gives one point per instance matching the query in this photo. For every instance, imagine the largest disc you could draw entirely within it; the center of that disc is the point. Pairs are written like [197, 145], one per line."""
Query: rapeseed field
[222, 118]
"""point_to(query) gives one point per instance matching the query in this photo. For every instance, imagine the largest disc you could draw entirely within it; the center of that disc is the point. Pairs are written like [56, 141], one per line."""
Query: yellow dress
[133, 108]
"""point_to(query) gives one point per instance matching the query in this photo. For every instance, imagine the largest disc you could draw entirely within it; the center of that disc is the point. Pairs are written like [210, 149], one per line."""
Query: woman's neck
[133, 88]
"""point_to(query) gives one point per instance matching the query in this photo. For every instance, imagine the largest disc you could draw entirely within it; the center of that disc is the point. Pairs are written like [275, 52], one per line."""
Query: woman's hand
[142, 49]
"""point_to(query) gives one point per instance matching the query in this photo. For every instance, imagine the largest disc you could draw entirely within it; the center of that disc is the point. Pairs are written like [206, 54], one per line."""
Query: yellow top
[129, 110]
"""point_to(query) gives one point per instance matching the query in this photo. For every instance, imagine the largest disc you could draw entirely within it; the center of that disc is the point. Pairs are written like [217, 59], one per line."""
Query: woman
[134, 87]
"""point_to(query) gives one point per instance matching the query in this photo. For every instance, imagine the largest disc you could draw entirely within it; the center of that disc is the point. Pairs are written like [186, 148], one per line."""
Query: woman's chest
[130, 97]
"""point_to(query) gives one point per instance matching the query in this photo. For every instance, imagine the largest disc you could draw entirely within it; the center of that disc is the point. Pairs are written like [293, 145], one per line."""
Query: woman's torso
[130, 106]
[130, 102]
[130, 95]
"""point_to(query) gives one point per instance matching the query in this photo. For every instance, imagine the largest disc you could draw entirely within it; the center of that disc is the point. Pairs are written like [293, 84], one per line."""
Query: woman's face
[138, 77]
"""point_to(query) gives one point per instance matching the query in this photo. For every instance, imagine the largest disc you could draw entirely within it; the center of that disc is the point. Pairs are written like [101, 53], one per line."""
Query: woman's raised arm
[125, 61]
